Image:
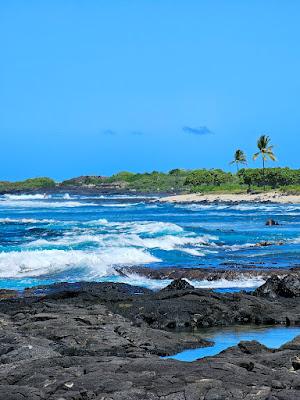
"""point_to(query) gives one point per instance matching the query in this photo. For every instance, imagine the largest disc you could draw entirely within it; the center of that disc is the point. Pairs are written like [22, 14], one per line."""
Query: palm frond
[265, 148]
[272, 156]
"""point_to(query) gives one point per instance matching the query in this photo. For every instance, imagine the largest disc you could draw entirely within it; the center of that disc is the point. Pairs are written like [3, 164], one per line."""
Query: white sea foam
[43, 204]
[117, 205]
[154, 227]
[295, 241]
[197, 206]
[47, 262]
[111, 241]
[138, 280]
[26, 221]
[139, 227]
[26, 196]
[192, 252]
[228, 284]
[237, 247]
[141, 234]
[100, 221]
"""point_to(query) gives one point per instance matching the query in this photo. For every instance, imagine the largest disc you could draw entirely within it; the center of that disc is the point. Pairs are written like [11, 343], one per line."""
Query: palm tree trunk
[264, 175]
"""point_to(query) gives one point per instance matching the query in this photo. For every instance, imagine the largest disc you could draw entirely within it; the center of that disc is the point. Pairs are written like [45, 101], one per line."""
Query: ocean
[62, 237]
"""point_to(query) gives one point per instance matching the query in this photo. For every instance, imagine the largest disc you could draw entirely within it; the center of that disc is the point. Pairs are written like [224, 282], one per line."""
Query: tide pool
[223, 338]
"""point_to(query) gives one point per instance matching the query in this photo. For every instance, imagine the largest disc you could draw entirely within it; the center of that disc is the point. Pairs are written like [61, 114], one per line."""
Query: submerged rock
[271, 222]
[266, 244]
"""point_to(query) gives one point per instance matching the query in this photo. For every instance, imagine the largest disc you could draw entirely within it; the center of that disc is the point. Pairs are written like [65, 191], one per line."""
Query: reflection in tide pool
[272, 337]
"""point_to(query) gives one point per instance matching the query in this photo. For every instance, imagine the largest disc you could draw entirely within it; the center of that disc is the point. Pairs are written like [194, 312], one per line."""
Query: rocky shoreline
[87, 341]
[232, 198]
[230, 272]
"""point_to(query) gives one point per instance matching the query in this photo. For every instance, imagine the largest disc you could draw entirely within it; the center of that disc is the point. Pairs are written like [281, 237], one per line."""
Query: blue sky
[94, 87]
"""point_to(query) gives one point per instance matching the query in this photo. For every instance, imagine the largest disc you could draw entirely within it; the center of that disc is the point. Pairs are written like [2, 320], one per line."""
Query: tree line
[179, 180]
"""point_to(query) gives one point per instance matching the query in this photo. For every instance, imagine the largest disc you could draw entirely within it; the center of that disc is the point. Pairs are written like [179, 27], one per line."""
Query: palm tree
[265, 151]
[239, 158]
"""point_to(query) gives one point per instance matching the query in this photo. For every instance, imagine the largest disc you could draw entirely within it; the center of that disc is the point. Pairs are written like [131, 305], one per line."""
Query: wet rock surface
[271, 222]
[229, 272]
[287, 286]
[103, 341]
[178, 284]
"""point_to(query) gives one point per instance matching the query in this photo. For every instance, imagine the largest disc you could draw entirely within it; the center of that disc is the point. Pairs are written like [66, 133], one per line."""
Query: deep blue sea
[45, 239]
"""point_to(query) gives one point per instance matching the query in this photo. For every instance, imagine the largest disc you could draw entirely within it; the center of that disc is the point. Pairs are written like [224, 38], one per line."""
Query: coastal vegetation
[27, 185]
[239, 158]
[174, 181]
[181, 180]
[265, 152]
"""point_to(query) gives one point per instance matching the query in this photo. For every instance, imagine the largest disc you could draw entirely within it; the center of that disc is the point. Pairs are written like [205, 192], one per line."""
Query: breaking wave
[26, 196]
[74, 237]
[25, 221]
[47, 262]
[155, 284]
[45, 204]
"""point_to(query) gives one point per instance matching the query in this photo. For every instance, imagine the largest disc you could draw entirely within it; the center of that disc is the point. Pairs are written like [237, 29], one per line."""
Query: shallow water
[272, 337]
[71, 238]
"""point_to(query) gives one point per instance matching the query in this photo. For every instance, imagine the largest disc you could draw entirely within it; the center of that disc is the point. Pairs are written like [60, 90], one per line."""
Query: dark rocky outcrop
[8, 294]
[271, 222]
[266, 244]
[229, 271]
[205, 308]
[96, 341]
[288, 286]
[178, 284]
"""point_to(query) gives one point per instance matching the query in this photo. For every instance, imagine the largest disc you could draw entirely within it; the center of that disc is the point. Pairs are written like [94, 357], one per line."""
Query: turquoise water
[272, 337]
[70, 238]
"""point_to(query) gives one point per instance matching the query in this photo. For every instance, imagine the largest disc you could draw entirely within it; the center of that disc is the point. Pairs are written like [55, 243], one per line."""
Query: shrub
[213, 177]
[273, 177]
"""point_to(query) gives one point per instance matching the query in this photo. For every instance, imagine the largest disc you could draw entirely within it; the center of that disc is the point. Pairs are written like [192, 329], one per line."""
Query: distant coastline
[268, 197]
[248, 184]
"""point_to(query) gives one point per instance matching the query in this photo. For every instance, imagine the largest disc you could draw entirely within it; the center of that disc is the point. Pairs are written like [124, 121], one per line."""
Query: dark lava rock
[296, 363]
[178, 284]
[97, 341]
[270, 288]
[227, 270]
[109, 291]
[271, 222]
[200, 308]
[266, 244]
[288, 286]
[8, 294]
[252, 347]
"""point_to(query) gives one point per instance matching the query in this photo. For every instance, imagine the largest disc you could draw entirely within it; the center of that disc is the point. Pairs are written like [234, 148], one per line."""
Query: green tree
[265, 151]
[239, 158]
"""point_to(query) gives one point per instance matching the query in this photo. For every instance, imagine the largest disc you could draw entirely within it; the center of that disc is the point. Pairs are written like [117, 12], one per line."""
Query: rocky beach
[87, 341]
[98, 291]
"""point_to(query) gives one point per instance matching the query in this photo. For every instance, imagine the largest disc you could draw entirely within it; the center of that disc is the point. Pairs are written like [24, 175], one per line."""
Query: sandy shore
[273, 197]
